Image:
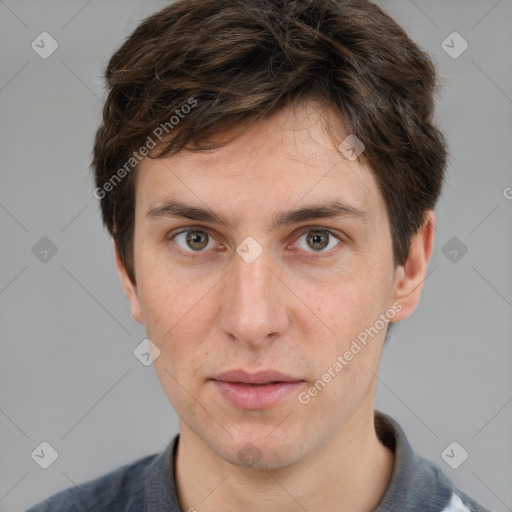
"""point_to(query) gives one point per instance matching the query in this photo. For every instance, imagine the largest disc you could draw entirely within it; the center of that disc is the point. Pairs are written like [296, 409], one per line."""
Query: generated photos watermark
[159, 132]
[342, 361]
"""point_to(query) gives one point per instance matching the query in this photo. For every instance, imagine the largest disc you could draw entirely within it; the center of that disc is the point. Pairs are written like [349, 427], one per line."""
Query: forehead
[284, 161]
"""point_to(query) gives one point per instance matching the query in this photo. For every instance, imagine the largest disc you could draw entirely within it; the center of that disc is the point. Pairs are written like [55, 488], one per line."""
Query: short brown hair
[243, 60]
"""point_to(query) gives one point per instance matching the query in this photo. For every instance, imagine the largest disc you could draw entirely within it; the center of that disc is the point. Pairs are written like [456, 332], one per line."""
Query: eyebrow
[174, 208]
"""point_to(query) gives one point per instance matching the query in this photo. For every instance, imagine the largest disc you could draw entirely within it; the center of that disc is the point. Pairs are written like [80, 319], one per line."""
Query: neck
[349, 472]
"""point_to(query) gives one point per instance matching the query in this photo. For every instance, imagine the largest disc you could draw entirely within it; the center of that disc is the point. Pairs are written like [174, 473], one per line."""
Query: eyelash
[197, 254]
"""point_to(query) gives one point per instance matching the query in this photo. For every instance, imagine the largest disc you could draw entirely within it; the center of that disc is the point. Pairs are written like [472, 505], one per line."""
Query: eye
[194, 240]
[318, 239]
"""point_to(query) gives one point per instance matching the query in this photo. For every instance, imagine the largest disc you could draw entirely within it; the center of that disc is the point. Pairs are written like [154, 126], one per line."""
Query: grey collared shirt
[148, 484]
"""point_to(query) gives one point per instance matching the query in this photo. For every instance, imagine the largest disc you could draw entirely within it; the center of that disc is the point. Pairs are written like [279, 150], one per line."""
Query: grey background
[67, 369]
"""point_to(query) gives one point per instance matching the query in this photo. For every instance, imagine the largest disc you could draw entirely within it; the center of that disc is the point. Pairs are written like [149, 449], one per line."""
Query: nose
[254, 309]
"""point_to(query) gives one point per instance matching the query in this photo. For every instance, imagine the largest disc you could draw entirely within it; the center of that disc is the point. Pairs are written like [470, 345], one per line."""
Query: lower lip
[260, 397]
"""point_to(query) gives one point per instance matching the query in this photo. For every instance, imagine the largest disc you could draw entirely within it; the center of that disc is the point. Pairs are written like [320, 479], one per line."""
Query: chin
[256, 449]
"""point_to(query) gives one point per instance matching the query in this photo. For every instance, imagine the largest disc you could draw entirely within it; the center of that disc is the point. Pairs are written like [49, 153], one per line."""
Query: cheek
[170, 314]
[347, 358]
[162, 292]
[178, 318]
[353, 305]
[352, 328]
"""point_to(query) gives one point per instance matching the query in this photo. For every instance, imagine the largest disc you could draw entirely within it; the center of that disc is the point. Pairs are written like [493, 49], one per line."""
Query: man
[268, 170]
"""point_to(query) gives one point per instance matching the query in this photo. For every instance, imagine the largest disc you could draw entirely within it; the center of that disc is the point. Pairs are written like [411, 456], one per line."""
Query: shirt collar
[415, 481]
[160, 493]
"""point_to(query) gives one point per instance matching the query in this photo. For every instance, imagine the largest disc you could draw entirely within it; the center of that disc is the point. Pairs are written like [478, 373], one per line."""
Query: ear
[410, 276]
[130, 289]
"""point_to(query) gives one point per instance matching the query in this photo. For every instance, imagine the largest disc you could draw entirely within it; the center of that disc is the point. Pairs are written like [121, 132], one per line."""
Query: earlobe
[411, 275]
[130, 289]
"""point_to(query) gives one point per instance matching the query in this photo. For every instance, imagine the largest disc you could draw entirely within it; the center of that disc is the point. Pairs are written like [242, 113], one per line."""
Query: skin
[287, 310]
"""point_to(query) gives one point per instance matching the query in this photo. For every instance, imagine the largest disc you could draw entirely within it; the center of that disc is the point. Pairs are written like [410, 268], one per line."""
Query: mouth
[257, 391]
[252, 385]
[263, 377]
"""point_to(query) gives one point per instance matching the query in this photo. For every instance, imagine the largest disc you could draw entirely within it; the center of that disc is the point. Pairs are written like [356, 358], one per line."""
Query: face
[252, 287]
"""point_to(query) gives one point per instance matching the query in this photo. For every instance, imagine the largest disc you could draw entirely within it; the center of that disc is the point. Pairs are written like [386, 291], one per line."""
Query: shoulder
[117, 490]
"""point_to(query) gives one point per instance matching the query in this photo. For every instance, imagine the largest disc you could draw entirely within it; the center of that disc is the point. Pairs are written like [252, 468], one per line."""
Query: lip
[261, 377]
[255, 391]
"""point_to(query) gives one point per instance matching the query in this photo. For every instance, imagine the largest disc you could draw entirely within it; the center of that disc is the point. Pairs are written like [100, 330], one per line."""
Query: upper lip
[261, 377]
